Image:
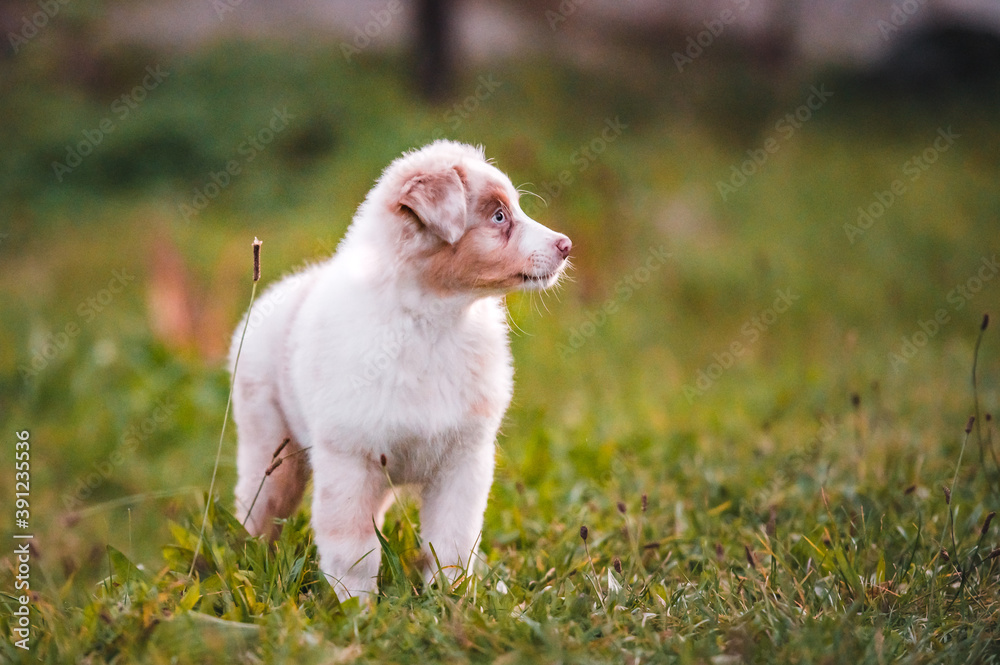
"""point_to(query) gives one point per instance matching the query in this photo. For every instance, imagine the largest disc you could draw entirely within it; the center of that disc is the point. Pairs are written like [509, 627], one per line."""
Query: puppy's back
[268, 324]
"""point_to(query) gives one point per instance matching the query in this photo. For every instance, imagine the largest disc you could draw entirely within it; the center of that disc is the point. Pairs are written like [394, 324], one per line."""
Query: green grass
[793, 510]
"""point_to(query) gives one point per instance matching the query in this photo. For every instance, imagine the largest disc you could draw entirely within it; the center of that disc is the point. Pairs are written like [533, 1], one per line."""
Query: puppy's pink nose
[563, 246]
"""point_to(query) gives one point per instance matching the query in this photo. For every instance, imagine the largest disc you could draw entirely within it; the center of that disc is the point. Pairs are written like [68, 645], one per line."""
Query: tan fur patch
[485, 407]
[438, 200]
[487, 203]
[486, 257]
[481, 259]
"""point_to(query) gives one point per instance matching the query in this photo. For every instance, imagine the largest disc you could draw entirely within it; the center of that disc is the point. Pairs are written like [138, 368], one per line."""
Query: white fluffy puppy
[394, 351]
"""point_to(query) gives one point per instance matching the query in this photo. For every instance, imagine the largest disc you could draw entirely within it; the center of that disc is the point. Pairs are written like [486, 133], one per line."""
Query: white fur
[359, 357]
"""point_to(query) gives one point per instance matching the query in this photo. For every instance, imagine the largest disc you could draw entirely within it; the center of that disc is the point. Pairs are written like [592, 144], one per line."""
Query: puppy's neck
[420, 303]
[387, 262]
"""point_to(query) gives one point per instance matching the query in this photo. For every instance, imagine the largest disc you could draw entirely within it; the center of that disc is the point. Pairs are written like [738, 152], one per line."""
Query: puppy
[391, 359]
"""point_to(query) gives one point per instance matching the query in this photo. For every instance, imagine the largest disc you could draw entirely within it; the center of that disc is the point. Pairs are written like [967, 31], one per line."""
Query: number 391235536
[22, 474]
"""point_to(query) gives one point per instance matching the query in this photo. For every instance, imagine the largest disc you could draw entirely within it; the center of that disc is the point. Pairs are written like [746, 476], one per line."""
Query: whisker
[512, 324]
[541, 298]
[541, 302]
[522, 190]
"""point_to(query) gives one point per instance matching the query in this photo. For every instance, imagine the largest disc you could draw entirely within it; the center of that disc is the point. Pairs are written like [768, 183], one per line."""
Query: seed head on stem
[229, 403]
[986, 524]
[256, 258]
[584, 532]
[281, 446]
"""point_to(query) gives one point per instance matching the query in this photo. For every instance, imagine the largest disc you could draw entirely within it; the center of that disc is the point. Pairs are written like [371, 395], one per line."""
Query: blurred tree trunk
[434, 52]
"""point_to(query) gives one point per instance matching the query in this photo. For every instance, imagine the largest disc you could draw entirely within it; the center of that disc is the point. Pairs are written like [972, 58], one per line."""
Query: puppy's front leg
[349, 493]
[451, 514]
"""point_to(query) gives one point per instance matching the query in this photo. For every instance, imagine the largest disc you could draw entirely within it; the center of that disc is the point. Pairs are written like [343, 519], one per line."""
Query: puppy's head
[469, 232]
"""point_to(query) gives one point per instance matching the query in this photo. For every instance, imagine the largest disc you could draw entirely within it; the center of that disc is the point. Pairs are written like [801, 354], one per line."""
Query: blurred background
[781, 210]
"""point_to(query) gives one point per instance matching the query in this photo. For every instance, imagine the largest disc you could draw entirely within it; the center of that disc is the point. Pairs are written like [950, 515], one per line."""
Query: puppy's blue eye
[499, 217]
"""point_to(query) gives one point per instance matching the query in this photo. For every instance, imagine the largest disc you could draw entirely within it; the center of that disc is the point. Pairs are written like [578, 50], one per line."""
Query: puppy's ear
[438, 200]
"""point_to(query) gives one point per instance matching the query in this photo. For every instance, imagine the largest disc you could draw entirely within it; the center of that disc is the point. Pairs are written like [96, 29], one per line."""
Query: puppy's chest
[420, 370]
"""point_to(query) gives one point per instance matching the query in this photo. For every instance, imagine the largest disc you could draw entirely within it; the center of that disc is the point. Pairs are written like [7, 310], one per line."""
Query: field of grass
[758, 414]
